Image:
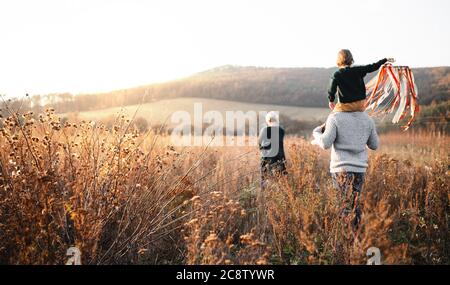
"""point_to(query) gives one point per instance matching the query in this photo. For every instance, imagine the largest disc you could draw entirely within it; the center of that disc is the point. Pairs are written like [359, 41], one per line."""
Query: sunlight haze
[101, 45]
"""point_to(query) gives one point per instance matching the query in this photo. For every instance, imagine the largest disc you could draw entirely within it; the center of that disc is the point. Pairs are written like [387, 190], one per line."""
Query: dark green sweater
[349, 82]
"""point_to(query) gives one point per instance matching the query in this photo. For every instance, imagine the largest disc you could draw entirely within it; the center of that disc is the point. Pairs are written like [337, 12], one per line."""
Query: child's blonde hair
[345, 58]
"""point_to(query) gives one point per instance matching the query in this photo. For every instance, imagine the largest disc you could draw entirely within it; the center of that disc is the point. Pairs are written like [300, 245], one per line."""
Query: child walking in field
[348, 83]
[271, 146]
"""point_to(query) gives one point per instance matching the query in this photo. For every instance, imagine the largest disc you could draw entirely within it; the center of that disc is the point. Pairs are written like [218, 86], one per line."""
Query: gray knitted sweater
[347, 133]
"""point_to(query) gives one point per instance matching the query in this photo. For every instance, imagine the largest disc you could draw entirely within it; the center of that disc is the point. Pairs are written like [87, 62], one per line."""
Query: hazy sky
[99, 45]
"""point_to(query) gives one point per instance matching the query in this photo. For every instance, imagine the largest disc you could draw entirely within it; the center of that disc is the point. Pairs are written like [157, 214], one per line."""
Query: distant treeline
[284, 86]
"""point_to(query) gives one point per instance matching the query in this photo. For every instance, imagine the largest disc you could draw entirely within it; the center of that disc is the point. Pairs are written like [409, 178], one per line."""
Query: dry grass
[418, 147]
[124, 197]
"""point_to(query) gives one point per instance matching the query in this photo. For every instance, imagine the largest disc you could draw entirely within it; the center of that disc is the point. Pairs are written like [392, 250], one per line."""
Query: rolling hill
[281, 86]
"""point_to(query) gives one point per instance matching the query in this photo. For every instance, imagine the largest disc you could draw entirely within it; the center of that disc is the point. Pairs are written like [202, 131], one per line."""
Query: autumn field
[128, 197]
[159, 111]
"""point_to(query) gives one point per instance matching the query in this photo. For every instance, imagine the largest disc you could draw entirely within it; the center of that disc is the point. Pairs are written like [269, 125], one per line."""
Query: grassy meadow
[126, 197]
[159, 112]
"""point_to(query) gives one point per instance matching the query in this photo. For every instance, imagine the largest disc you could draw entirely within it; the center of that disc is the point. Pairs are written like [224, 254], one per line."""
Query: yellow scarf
[358, 106]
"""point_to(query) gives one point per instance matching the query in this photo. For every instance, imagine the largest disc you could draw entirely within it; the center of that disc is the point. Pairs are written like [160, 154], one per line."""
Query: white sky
[100, 45]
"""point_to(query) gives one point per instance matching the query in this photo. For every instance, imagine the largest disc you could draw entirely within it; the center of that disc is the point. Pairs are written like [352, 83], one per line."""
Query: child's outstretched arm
[364, 69]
